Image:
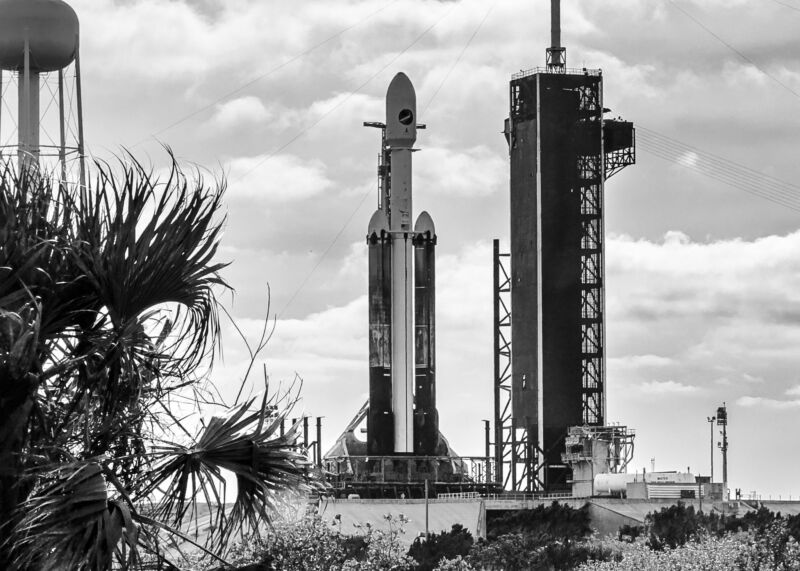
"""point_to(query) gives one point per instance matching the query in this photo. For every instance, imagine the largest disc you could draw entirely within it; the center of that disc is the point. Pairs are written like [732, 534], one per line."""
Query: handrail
[564, 71]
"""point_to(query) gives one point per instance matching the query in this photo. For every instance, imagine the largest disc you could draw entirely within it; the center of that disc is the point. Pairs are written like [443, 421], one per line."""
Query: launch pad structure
[551, 433]
[549, 291]
[404, 454]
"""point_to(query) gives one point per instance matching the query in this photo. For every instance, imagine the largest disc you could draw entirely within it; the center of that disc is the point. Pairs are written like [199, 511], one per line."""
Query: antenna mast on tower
[556, 54]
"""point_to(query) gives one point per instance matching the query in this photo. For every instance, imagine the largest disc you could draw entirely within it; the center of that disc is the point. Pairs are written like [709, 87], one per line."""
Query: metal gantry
[516, 453]
[590, 180]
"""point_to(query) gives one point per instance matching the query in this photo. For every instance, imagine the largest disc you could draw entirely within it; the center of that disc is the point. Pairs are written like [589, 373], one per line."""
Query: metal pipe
[488, 430]
[514, 458]
[62, 148]
[319, 441]
[555, 23]
[28, 105]
[711, 420]
[79, 98]
[427, 534]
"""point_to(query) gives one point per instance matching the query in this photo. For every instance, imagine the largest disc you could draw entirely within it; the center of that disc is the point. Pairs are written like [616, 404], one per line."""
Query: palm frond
[70, 523]
[145, 243]
[246, 444]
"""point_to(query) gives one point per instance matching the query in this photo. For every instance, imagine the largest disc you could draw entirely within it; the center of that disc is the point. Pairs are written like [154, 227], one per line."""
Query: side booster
[402, 391]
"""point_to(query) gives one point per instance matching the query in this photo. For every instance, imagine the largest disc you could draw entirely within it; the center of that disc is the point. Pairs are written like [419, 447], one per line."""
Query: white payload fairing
[401, 323]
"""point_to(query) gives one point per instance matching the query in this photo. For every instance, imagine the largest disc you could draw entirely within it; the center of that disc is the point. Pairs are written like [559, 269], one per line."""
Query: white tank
[612, 484]
[50, 27]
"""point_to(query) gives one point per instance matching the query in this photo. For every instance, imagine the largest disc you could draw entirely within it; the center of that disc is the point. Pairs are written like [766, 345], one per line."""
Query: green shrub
[445, 545]
[556, 520]
[520, 551]
[630, 533]
[312, 544]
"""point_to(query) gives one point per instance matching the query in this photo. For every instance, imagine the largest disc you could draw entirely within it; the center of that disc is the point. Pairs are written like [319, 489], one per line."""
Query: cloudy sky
[703, 303]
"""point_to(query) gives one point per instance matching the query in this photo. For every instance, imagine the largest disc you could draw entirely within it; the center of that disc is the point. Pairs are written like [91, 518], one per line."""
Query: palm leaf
[245, 444]
[70, 523]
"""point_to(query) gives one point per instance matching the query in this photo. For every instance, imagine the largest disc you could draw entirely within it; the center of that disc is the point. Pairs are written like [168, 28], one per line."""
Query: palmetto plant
[107, 312]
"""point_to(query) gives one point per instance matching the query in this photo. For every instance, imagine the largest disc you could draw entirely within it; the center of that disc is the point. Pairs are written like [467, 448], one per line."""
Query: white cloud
[244, 111]
[667, 387]
[276, 178]
[763, 402]
[793, 391]
[637, 361]
[461, 173]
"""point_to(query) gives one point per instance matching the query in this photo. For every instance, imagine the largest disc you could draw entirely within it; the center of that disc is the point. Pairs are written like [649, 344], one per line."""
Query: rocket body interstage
[394, 252]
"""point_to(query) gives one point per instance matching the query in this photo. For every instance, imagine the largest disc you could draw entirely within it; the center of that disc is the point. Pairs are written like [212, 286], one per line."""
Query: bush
[706, 553]
[519, 551]
[445, 545]
[630, 533]
[312, 544]
[556, 520]
[672, 526]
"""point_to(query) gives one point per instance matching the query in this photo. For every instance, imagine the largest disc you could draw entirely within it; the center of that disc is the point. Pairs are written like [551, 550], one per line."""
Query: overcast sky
[703, 303]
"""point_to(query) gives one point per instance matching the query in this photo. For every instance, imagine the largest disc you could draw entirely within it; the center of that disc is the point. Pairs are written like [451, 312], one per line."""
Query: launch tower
[562, 150]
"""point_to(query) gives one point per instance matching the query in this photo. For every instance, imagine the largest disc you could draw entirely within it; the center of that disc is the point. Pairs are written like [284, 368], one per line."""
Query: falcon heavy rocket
[402, 388]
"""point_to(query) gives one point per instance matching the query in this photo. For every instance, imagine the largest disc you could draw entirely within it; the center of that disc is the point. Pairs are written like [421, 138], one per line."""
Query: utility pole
[711, 420]
[722, 420]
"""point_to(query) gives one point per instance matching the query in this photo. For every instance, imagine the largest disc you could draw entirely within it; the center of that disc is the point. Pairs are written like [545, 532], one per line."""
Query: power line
[722, 162]
[325, 253]
[732, 176]
[795, 8]
[734, 50]
[458, 59]
[263, 75]
[720, 169]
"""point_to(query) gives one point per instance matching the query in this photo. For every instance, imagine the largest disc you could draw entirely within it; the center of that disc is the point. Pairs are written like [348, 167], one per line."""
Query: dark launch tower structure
[562, 150]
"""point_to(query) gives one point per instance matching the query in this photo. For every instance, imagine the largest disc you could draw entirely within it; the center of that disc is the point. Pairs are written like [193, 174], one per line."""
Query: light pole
[722, 420]
[711, 420]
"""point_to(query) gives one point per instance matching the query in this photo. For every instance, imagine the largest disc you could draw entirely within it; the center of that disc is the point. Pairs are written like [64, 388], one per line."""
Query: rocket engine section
[426, 417]
[402, 388]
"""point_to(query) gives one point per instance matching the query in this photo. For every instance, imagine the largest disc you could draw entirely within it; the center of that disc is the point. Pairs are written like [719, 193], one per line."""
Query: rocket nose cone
[424, 224]
[401, 85]
[401, 112]
[377, 223]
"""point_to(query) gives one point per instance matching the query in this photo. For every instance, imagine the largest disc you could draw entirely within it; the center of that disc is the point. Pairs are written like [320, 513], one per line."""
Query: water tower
[39, 55]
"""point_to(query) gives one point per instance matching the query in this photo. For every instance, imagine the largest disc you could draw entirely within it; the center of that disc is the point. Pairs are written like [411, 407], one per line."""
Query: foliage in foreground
[311, 543]
[446, 545]
[774, 549]
[556, 520]
[674, 525]
[760, 540]
[108, 321]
